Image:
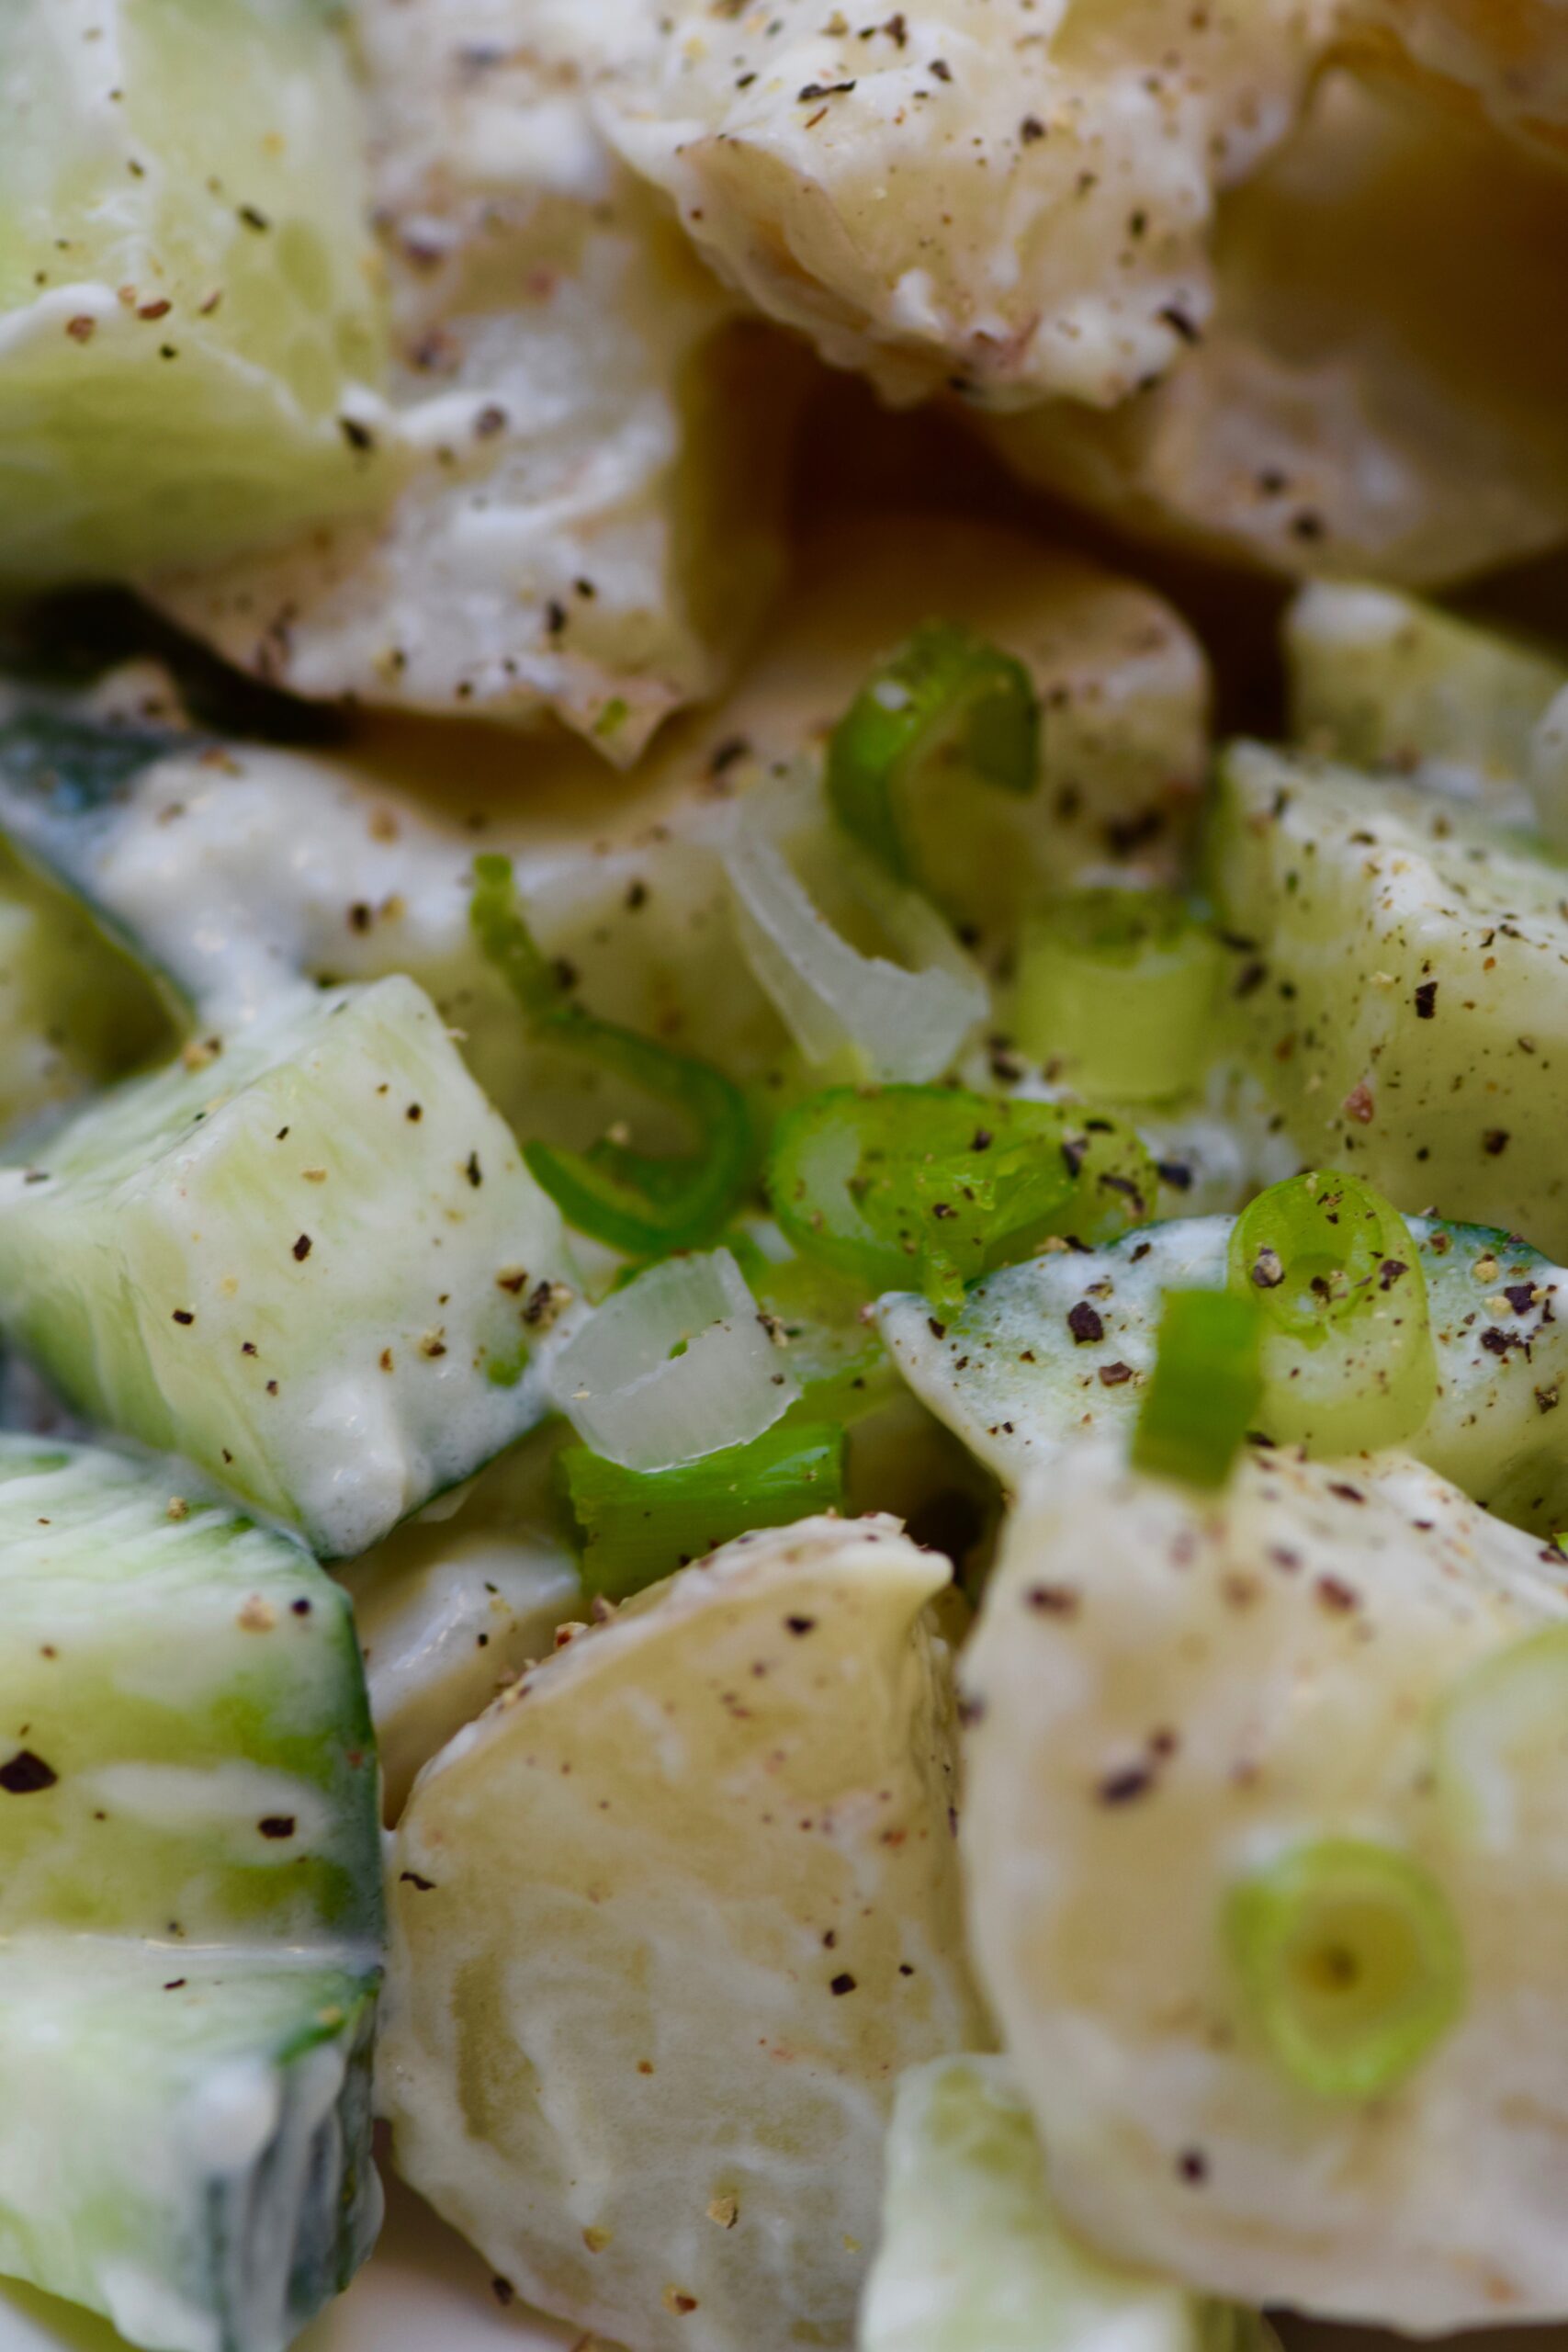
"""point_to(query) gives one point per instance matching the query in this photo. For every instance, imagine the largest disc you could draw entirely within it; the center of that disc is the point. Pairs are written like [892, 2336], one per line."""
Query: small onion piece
[894, 1022]
[676, 1365]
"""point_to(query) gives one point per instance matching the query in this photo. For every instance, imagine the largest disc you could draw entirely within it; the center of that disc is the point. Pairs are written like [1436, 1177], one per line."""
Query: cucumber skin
[184, 2251]
[183, 1679]
[169, 1962]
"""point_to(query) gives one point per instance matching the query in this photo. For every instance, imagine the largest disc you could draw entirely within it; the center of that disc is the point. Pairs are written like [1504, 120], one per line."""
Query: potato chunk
[667, 1922]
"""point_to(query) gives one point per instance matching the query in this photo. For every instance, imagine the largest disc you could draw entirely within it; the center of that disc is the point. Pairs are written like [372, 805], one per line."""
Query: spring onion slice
[506, 941]
[945, 697]
[1203, 1395]
[642, 1203]
[678, 1364]
[930, 1187]
[640, 1525]
[1348, 1363]
[1350, 1962]
[1116, 991]
[888, 1020]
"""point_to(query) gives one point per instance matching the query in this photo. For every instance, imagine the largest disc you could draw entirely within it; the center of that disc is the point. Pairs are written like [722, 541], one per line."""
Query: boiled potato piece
[587, 526]
[191, 336]
[1404, 998]
[1047, 1353]
[1382, 388]
[667, 1923]
[1508, 54]
[967, 190]
[973, 2257]
[1171, 1699]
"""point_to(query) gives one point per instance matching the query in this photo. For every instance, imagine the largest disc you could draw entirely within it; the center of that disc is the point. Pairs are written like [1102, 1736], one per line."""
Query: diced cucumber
[1382, 679]
[1018, 1381]
[188, 316]
[1403, 992]
[73, 1009]
[190, 1909]
[185, 2136]
[1173, 1698]
[176, 1686]
[307, 1256]
[973, 2255]
[667, 1922]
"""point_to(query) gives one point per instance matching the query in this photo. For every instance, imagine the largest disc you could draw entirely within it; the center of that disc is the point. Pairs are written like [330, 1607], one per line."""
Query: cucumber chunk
[187, 2137]
[667, 1928]
[1018, 1381]
[1404, 991]
[188, 318]
[190, 1909]
[307, 1256]
[973, 2255]
[177, 1685]
[1172, 1698]
[1382, 679]
[73, 1009]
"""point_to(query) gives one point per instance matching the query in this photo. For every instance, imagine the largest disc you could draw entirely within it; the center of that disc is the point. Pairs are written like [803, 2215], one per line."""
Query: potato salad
[783, 1216]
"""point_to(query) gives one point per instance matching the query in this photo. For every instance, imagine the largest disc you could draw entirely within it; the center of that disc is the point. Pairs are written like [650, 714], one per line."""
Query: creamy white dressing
[226, 1799]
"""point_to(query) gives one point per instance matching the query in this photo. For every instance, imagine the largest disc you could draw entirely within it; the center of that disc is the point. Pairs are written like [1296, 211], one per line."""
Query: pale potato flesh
[1380, 391]
[1014, 197]
[585, 528]
[667, 1923]
[1166, 1690]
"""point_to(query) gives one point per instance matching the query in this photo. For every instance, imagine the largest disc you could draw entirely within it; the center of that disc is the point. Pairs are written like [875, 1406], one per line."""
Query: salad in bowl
[784, 1245]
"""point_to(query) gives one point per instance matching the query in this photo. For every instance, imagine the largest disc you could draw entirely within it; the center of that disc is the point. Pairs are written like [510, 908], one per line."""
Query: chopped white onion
[630, 1397]
[900, 1023]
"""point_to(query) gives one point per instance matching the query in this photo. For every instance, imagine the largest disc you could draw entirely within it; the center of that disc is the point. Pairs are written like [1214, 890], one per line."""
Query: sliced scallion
[1116, 990]
[637, 1526]
[645, 1204]
[930, 1187]
[1202, 1397]
[1351, 1963]
[945, 697]
[1348, 1363]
